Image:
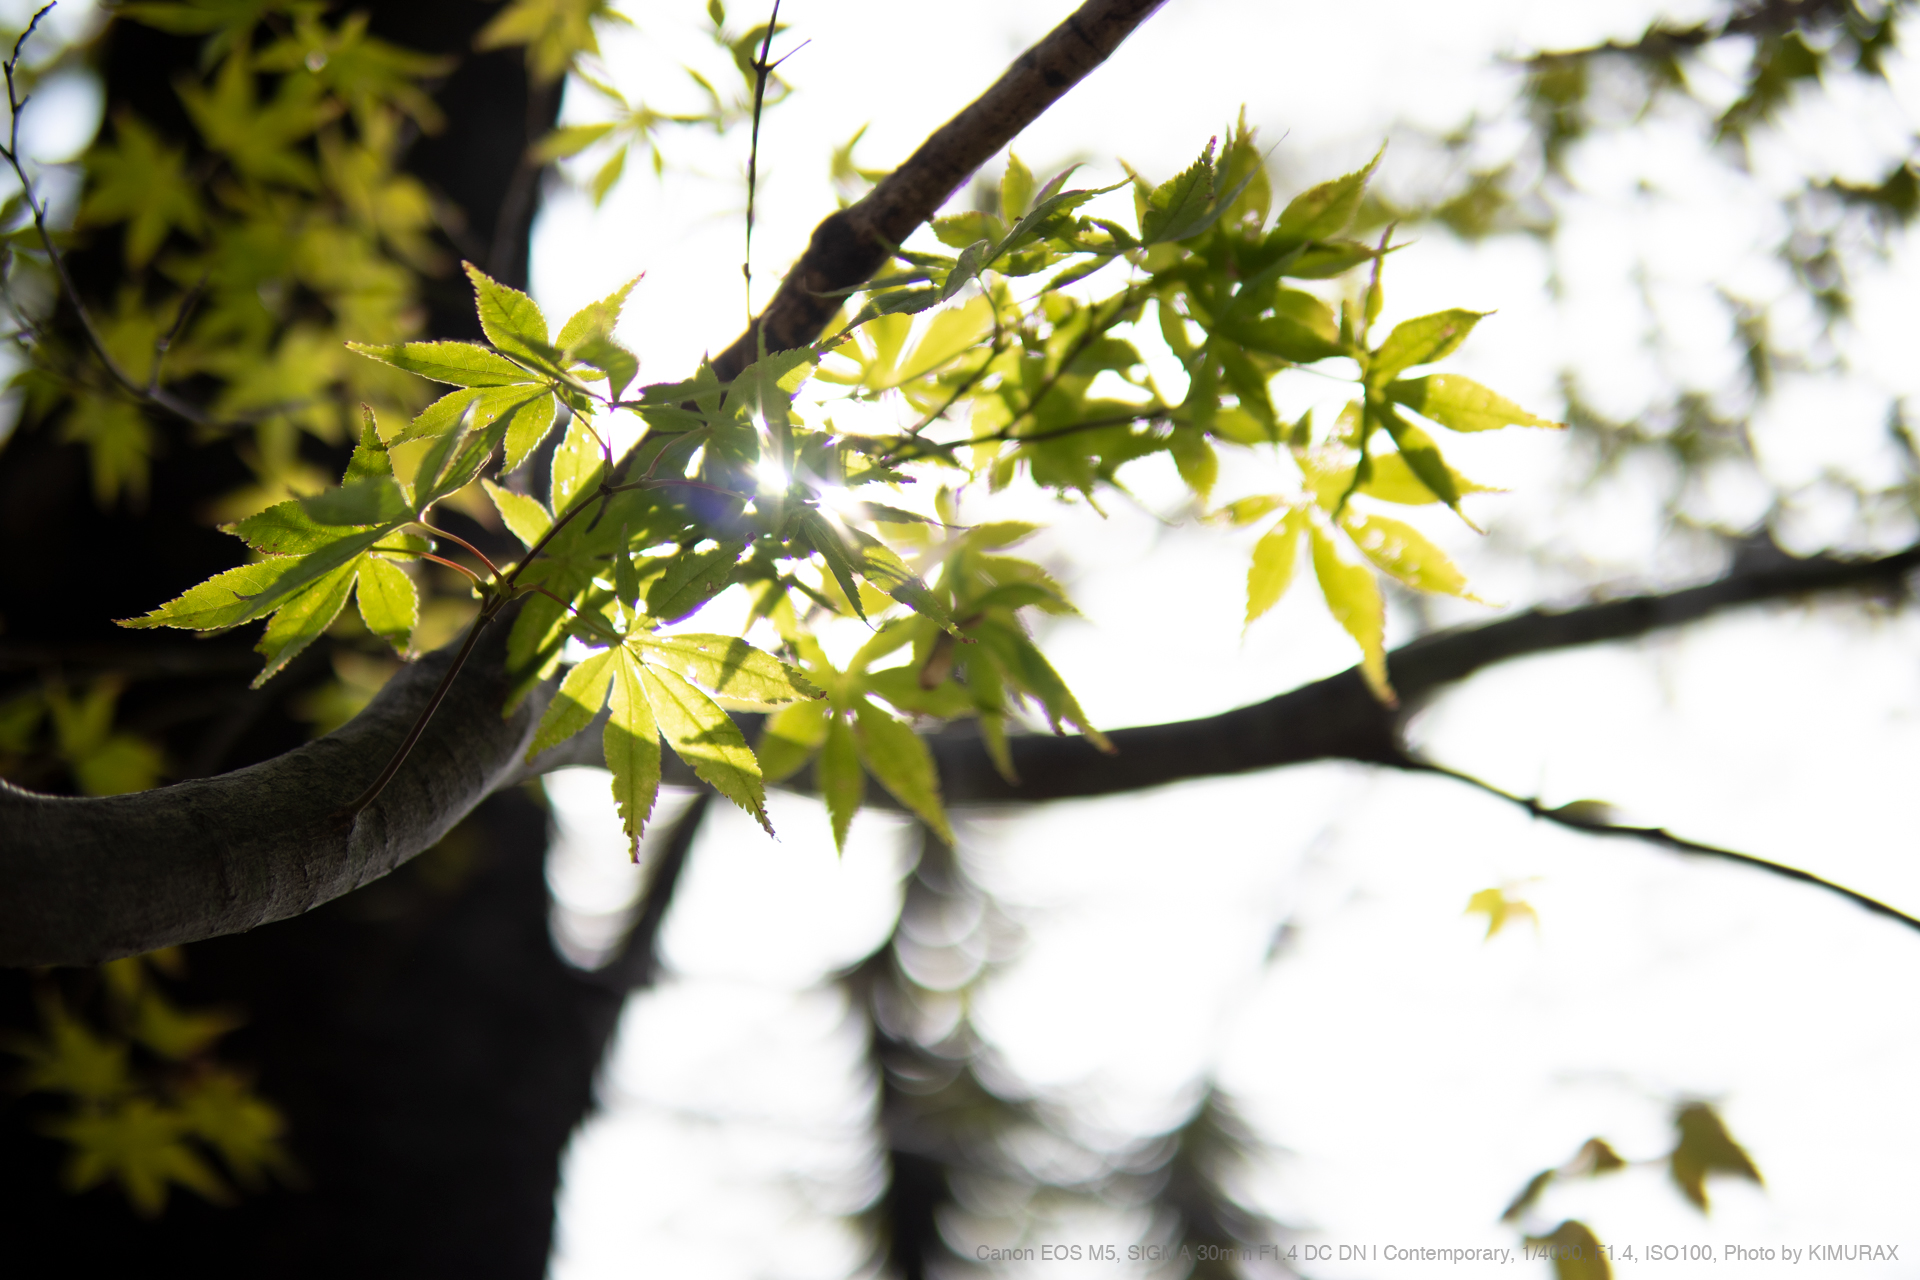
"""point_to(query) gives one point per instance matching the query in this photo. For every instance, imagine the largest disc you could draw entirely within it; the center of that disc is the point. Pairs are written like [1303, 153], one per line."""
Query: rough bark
[91, 879]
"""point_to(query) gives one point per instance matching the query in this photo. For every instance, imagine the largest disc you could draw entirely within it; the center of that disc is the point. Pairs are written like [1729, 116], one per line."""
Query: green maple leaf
[140, 1145]
[142, 181]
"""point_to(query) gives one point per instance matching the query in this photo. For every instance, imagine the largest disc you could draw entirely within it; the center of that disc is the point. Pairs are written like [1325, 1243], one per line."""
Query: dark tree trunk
[430, 1052]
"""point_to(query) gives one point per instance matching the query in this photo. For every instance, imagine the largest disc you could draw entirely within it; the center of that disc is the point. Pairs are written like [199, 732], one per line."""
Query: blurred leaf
[900, 760]
[1354, 600]
[1705, 1147]
[1274, 558]
[1536, 1185]
[1462, 404]
[243, 1129]
[843, 785]
[1420, 341]
[141, 1146]
[790, 738]
[1323, 212]
[1501, 910]
[1401, 550]
[1575, 1251]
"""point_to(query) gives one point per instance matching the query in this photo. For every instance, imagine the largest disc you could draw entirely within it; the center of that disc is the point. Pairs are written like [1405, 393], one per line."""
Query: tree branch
[1580, 817]
[91, 879]
[88, 880]
[849, 246]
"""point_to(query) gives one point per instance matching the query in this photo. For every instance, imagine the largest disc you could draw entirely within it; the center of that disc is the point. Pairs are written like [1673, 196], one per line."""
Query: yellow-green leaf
[1353, 598]
[1500, 910]
[1420, 341]
[389, 602]
[224, 600]
[512, 321]
[631, 742]
[575, 703]
[1462, 404]
[730, 667]
[902, 763]
[523, 515]
[1705, 1147]
[707, 739]
[1274, 557]
[302, 618]
[791, 736]
[843, 785]
[1405, 552]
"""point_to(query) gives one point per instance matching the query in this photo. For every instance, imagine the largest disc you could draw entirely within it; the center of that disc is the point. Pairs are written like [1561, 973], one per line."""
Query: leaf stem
[492, 568]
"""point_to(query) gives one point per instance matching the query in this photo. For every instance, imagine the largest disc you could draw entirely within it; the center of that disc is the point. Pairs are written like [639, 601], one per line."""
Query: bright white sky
[1409, 1076]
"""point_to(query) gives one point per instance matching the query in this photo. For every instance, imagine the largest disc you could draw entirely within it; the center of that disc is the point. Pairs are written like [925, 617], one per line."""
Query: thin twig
[761, 70]
[1576, 820]
[151, 394]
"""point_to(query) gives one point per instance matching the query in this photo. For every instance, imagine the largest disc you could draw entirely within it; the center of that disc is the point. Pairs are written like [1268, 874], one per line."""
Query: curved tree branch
[90, 879]
[87, 880]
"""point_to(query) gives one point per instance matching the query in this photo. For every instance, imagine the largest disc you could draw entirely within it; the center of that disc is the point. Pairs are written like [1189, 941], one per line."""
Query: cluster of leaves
[1702, 1147]
[149, 1107]
[735, 486]
[635, 125]
[52, 725]
[1214, 269]
[250, 256]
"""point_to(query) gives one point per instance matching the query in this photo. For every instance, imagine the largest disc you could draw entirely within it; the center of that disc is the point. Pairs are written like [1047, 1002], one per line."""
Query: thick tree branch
[88, 880]
[848, 247]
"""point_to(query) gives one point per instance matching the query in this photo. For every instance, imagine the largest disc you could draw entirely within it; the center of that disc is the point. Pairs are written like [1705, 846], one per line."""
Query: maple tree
[274, 274]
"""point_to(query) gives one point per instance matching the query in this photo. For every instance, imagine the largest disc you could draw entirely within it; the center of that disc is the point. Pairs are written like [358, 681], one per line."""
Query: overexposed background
[1298, 936]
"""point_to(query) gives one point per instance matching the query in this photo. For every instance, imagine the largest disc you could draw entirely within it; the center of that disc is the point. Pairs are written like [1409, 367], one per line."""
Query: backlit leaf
[377, 500]
[1353, 598]
[576, 703]
[900, 760]
[708, 740]
[1405, 552]
[843, 784]
[631, 741]
[224, 600]
[526, 428]
[511, 320]
[523, 515]
[1323, 212]
[1463, 405]
[464, 364]
[730, 667]
[302, 618]
[389, 602]
[1274, 558]
[1420, 341]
